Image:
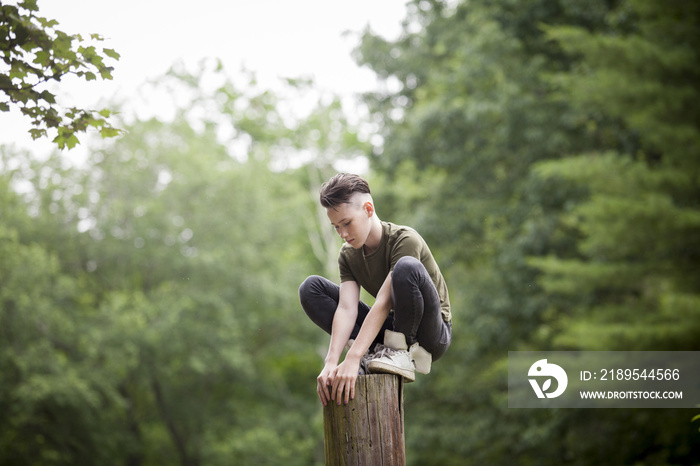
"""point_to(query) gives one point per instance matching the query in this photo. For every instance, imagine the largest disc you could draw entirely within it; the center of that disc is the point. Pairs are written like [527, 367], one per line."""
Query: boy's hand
[344, 380]
[324, 381]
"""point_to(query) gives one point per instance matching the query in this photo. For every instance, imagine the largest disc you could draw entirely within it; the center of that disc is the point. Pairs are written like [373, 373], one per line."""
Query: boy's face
[352, 221]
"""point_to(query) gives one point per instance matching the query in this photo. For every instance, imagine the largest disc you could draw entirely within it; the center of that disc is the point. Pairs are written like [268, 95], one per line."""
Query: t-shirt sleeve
[408, 244]
[344, 269]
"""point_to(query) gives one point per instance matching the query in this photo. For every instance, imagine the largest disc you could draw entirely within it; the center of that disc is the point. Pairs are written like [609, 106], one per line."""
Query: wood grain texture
[369, 430]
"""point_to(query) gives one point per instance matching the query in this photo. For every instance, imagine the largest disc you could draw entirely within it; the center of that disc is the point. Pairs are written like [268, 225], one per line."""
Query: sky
[273, 38]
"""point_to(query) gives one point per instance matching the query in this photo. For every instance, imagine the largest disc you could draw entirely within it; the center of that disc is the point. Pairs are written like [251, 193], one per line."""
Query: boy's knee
[405, 266]
[307, 286]
[306, 283]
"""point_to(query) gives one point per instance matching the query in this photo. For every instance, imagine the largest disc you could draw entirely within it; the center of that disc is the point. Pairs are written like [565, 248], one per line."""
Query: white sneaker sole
[378, 367]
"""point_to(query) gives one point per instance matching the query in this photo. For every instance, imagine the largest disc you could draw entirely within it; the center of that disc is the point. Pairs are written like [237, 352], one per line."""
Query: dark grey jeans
[414, 299]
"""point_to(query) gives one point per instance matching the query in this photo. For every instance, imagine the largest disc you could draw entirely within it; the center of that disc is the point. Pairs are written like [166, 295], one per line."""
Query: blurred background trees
[556, 149]
[549, 153]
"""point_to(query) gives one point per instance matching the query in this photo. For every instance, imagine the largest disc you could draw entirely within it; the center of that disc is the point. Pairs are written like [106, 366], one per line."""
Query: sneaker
[421, 358]
[364, 362]
[394, 361]
[375, 352]
[395, 357]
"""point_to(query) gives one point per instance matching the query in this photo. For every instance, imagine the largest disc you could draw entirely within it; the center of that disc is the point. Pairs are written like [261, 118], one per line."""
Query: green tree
[203, 251]
[167, 266]
[485, 96]
[635, 275]
[473, 113]
[60, 406]
[35, 55]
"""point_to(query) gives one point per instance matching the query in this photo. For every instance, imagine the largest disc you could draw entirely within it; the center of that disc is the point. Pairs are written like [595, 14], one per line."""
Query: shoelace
[380, 351]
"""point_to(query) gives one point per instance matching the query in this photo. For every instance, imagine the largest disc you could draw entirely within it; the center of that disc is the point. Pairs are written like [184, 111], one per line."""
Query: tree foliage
[35, 55]
[549, 249]
[149, 300]
[639, 223]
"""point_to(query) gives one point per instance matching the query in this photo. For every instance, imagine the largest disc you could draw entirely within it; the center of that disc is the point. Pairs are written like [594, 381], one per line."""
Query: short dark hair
[340, 188]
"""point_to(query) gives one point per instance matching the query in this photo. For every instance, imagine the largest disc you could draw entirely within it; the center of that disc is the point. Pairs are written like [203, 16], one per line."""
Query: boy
[393, 263]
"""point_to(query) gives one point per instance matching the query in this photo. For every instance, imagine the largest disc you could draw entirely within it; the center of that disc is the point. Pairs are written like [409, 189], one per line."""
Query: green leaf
[106, 72]
[108, 132]
[29, 5]
[72, 141]
[111, 53]
[37, 133]
[18, 71]
[48, 97]
[46, 23]
[95, 122]
[29, 46]
[42, 58]
[4, 107]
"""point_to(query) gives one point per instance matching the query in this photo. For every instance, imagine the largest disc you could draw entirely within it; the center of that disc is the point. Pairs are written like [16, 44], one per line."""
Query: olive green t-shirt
[370, 271]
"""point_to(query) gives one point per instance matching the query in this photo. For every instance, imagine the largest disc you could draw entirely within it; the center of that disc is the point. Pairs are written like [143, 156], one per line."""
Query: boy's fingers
[323, 395]
[350, 390]
[333, 382]
[339, 392]
[322, 384]
[327, 391]
[319, 391]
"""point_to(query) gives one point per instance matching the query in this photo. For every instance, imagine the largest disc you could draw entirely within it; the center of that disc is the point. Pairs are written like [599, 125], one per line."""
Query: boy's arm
[343, 323]
[344, 320]
[346, 373]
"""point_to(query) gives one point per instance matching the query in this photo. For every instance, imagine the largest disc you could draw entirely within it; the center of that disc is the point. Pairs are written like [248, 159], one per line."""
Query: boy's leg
[319, 298]
[417, 312]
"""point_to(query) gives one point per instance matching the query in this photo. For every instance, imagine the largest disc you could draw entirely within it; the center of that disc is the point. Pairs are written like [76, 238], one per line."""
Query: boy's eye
[346, 224]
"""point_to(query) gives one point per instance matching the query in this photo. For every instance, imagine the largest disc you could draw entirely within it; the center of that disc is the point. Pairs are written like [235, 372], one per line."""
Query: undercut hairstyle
[340, 189]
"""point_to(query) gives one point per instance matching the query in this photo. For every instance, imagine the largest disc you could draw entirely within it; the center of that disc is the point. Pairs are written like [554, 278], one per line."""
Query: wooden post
[368, 431]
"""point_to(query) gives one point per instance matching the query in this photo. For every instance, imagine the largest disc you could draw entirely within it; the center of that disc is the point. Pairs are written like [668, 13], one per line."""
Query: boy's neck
[375, 236]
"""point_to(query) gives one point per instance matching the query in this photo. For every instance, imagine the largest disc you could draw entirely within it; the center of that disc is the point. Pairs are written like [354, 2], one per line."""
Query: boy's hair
[340, 188]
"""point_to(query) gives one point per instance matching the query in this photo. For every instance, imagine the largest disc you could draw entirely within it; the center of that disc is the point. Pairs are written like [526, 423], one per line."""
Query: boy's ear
[369, 208]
